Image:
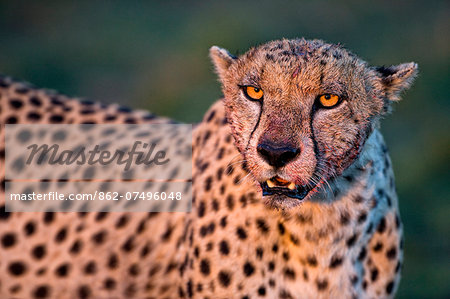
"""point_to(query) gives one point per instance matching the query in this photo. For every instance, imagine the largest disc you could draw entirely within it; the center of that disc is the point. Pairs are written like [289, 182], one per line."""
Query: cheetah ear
[397, 78]
[221, 59]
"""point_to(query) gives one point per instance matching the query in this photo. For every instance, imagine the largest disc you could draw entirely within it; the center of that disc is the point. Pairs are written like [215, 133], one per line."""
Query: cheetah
[293, 191]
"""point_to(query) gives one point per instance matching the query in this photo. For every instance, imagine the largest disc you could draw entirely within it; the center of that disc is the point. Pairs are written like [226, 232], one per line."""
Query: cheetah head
[300, 111]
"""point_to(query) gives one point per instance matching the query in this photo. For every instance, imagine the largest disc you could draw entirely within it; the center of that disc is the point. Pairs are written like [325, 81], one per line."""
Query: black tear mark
[256, 126]
[313, 137]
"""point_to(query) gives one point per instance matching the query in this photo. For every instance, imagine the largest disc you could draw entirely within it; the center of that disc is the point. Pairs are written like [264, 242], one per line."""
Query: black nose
[277, 156]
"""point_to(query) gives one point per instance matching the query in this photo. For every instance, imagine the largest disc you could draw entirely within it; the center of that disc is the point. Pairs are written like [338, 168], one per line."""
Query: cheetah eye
[253, 93]
[328, 100]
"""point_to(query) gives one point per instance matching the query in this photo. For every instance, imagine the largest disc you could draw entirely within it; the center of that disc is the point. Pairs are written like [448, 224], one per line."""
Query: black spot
[134, 269]
[201, 209]
[62, 270]
[389, 201]
[61, 235]
[3, 214]
[8, 240]
[305, 275]
[141, 226]
[275, 248]
[145, 250]
[262, 225]
[262, 291]
[56, 101]
[322, 284]
[110, 117]
[259, 253]
[39, 252]
[272, 283]
[358, 199]
[90, 268]
[35, 101]
[345, 218]
[397, 221]
[128, 245]
[41, 292]
[15, 288]
[382, 225]
[17, 268]
[76, 247]
[311, 260]
[294, 239]
[224, 248]
[284, 294]
[167, 234]
[208, 183]
[56, 118]
[362, 254]
[362, 217]
[378, 247]
[215, 204]
[11, 120]
[391, 253]
[100, 216]
[189, 288]
[352, 240]
[205, 267]
[281, 228]
[224, 278]
[336, 261]
[230, 202]
[99, 238]
[84, 292]
[181, 292]
[286, 256]
[289, 273]
[123, 220]
[271, 266]
[109, 284]
[16, 103]
[33, 116]
[374, 274]
[241, 233]
[113, 261]
[398, 266]
[124, 109]
[249, 269]
[49, 217]
[390, 287]
[223, 221]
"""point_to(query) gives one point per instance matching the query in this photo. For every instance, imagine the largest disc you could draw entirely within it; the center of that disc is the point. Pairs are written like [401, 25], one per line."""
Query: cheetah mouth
[277, 185]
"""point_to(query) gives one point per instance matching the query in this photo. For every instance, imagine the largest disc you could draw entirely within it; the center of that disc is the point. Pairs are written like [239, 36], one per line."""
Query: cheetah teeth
[272, 184]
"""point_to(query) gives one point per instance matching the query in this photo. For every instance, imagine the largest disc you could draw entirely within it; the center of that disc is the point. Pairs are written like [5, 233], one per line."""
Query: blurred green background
[154, 55]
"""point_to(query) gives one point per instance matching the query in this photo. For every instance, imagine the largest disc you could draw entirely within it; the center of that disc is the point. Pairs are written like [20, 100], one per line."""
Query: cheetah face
[300, 112]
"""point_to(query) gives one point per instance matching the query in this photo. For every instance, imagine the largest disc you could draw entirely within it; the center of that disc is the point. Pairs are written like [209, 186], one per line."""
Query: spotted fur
[345, 240]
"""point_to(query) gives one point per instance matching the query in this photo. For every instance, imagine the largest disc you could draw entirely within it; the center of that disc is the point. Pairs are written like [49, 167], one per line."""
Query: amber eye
[328, 100]
[253, 93]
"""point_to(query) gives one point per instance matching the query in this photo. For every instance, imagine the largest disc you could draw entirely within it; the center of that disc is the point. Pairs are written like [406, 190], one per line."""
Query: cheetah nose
[277, 156]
